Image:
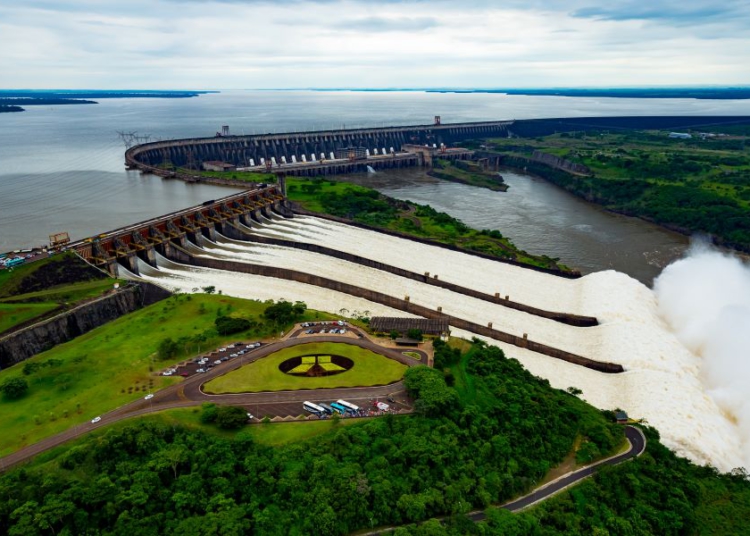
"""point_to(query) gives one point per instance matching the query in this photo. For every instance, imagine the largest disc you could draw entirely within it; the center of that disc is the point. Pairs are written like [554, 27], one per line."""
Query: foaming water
[705, 297]
[663, 382]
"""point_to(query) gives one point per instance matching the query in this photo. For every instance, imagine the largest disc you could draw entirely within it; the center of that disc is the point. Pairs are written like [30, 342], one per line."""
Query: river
[61, 167]
[542, 219]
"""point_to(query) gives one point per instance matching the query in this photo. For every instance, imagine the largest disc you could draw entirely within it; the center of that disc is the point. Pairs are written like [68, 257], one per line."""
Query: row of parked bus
[342, 407]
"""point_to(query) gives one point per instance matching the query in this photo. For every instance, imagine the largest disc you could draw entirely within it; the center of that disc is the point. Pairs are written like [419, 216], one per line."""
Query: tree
[394, 334]
[226, 325]
[31, 367]
[284, 312]
[168, 348]
[209, 289]
[14, 388]
[415, 334]
[231, 417]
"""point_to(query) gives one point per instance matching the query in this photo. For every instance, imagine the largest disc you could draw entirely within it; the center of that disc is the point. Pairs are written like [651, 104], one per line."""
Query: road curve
[637, 447]
[188, 393]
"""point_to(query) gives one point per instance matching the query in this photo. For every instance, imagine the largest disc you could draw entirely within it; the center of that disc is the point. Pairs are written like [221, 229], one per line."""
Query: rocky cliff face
[67, 326]
[560, 163]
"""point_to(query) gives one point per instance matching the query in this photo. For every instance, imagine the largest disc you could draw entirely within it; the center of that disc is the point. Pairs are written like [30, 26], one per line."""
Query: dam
[318, 152]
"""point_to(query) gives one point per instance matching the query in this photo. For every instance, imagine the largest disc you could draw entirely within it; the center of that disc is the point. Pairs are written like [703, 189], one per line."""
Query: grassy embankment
[367, 206]
[264, 375]
[239, 176]
[117, 363]
[32, 290]
[466, 172]
[692, 185]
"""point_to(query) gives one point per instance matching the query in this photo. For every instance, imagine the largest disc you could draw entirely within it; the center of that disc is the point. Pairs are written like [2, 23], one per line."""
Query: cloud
[677, 13]
[382, 24]
[353, 43]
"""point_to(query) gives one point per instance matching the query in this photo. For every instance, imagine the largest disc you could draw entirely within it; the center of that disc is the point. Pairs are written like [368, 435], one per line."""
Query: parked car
[95, 420]
[149, 396]
[250, 416]
[184, 374]
[217, 362]
[201, 370]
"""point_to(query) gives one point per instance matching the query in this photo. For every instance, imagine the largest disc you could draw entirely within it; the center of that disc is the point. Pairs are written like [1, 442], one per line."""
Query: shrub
[14, 388]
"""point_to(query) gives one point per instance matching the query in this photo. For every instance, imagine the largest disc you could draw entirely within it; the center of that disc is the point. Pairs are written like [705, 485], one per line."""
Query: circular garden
[310, 366]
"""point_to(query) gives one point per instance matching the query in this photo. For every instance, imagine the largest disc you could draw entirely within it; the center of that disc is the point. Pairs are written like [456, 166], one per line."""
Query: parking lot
[206, 362]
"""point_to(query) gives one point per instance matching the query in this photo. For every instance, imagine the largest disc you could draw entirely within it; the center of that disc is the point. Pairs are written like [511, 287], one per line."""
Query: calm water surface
[61, 167]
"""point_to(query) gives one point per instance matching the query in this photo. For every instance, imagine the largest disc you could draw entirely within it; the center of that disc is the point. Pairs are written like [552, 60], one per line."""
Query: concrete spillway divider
[396, 303]
[564, 318]
[566, 275]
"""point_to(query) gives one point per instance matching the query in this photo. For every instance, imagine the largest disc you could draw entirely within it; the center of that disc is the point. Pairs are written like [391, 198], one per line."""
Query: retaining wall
[396, 303]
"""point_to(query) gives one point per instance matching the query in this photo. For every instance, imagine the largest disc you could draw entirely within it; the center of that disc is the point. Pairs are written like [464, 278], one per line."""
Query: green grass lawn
[264, 375]
[13, 314]
[110, 366]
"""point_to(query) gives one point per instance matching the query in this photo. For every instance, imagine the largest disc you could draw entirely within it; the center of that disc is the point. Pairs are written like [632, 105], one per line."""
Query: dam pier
[126, 245]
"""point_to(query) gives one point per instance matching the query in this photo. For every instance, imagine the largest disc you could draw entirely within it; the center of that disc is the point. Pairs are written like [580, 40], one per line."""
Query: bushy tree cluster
[152, 479]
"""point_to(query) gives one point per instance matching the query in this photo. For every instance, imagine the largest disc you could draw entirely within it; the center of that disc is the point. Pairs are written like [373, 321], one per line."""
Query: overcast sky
[225, 44]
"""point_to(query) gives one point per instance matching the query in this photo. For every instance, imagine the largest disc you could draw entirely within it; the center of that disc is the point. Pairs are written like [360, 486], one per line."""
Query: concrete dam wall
[240, 150]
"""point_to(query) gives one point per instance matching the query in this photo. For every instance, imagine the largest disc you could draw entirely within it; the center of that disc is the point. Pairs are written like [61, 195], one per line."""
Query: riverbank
[467, 172]
[363, 205]
[688, 185]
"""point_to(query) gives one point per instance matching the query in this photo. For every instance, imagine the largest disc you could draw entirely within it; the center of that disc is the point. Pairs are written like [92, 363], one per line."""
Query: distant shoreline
[4, 109]
[11, 100]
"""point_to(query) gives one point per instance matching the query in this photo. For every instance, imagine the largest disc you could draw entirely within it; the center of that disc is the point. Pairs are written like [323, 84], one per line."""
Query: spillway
[661, 382]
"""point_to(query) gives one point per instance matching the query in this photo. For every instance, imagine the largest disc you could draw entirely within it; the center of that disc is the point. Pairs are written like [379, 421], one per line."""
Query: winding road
[188, 393]
[637, 447]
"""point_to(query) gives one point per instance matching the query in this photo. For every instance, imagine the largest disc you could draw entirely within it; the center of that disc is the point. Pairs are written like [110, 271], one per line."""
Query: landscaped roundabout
[317, 365]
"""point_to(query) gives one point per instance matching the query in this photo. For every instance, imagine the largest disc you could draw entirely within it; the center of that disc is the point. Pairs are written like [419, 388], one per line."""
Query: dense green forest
[486, 431]
[691, 185]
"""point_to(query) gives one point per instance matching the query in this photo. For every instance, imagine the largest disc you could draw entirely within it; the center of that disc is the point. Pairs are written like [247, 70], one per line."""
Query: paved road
[188, 393]
[637, 446]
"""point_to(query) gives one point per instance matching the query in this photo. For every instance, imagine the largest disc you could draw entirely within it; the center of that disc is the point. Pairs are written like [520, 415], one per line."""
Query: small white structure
[680, 135]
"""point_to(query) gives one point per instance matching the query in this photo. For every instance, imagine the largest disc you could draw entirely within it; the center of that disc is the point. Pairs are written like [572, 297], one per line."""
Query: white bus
[349, 406]
[313, 408]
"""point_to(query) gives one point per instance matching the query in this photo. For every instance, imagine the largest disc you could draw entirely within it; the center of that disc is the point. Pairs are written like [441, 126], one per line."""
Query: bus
[328, 409]
[14, 262]
[313, 408]
[338, 408]
[351, 408]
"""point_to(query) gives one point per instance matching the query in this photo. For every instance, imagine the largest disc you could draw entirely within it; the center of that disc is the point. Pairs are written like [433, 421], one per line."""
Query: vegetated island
[694, 180]
[718, 93]
[15, 98]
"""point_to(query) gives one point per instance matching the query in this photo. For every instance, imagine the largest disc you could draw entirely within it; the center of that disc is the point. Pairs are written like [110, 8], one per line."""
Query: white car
[95, 420]
[201, 370]
[217, 362]
[166, 373]
[250, 416]
[148, 396]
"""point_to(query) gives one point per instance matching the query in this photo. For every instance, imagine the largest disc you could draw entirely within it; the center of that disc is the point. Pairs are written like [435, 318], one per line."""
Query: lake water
[61, 167]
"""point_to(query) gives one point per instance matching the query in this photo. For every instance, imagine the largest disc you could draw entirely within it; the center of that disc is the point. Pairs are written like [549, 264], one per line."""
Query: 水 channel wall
[182, 256]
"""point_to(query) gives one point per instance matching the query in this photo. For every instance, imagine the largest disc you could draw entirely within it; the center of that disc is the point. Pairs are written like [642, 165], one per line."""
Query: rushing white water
[662, 382]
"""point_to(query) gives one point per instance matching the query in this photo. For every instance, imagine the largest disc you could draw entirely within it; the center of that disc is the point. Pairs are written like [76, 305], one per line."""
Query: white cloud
[349, 43]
